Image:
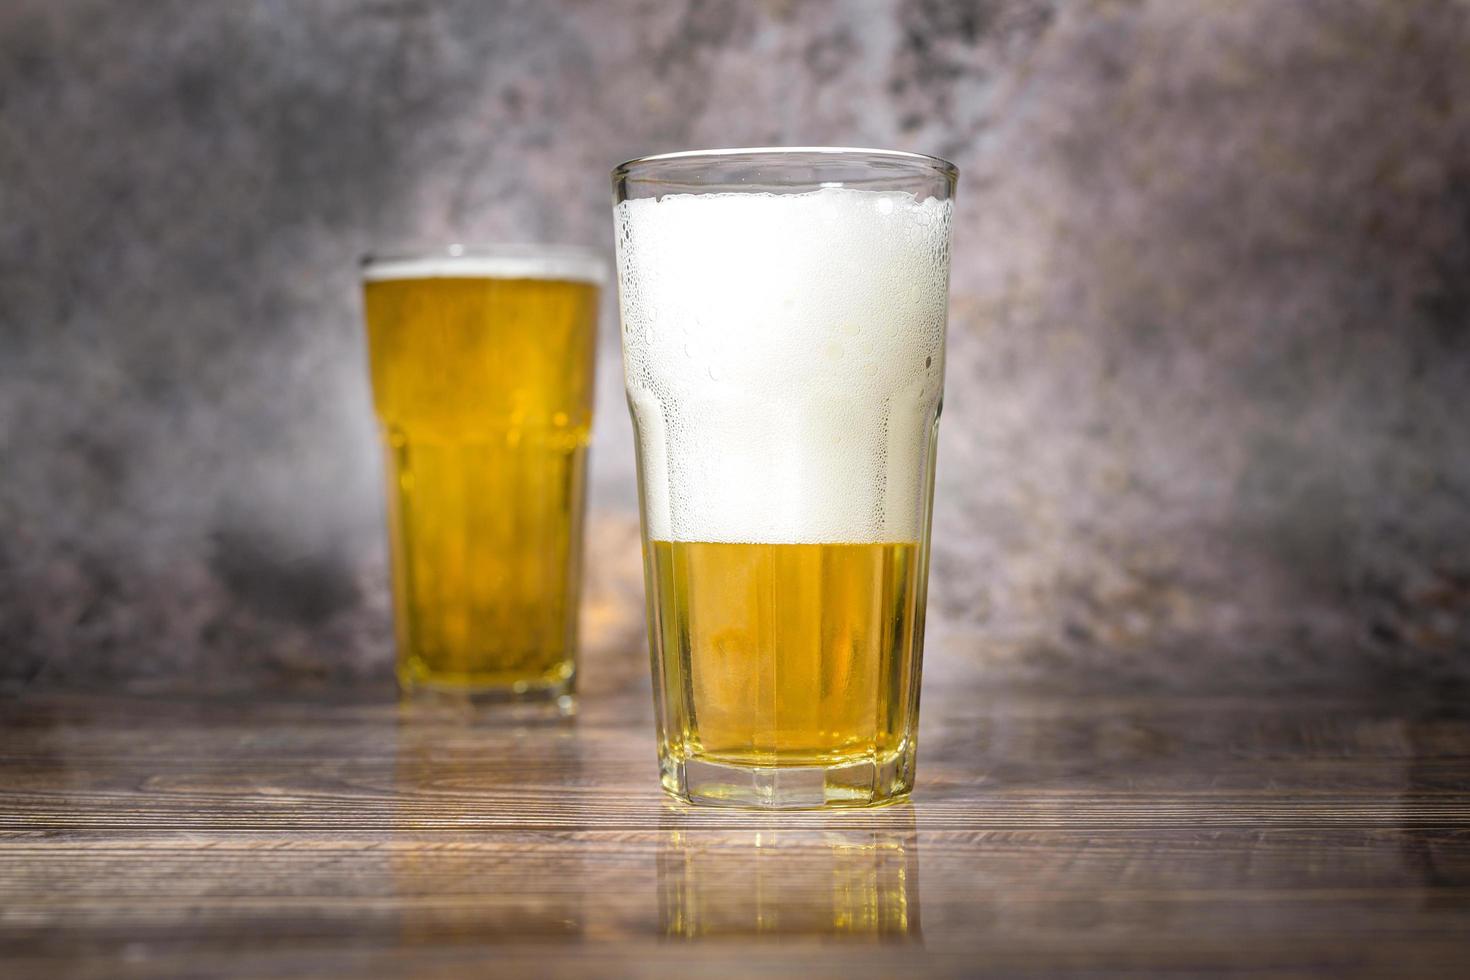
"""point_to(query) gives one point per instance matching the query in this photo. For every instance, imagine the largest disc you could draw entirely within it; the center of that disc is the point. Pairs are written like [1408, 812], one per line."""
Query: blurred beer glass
[482, 368]
[783, 319]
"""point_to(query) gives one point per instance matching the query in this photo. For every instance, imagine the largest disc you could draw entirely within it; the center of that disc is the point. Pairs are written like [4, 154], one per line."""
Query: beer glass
[482, 368]
[783, 316]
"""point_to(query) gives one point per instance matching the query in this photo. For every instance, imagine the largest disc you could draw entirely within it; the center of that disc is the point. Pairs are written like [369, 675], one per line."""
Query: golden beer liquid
[786, 654]
[483, 390]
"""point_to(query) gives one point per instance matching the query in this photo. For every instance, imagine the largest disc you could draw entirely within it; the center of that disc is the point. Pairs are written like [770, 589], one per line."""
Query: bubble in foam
[760, 416]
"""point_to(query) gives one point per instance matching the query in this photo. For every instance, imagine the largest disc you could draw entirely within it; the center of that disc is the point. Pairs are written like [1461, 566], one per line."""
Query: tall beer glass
[482, 367]
[783, 336]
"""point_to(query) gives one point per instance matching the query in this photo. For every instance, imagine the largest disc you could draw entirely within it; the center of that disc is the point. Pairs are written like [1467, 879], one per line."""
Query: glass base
[865, 782]
[557, 699]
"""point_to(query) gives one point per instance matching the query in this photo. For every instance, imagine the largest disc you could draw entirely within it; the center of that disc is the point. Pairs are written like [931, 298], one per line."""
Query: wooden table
[1050, 834]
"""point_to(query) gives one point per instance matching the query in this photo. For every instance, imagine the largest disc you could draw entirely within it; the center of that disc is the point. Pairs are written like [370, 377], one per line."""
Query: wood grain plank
[1048, 834]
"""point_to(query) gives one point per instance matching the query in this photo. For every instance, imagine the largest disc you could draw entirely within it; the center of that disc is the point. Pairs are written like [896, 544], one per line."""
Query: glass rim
[510, 260]
[936, 164]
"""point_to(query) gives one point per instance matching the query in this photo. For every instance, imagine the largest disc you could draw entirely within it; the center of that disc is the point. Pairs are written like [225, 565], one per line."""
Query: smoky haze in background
[1206, 412]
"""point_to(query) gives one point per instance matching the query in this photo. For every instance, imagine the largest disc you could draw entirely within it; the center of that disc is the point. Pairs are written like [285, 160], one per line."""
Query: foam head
[552, 262]
[784, 357]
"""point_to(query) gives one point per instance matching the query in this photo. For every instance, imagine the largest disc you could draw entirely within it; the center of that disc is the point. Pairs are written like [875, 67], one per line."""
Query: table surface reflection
[1049, 834]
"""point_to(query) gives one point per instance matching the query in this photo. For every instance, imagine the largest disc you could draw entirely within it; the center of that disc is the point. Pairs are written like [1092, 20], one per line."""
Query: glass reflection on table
[457, 875]
[796, 882]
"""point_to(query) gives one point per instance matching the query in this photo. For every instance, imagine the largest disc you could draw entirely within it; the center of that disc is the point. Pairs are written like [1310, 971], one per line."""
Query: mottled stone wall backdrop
[1206, 418]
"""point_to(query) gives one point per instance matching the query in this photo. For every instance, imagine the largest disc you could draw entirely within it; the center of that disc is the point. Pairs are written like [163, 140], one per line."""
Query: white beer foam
[784, 356]
[558, 264]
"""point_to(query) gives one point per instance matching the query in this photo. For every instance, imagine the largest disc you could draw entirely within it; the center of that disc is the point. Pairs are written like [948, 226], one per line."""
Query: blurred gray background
[1206, 418]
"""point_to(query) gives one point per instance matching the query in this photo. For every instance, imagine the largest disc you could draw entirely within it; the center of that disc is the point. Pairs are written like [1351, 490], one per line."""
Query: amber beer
[793, 654]
[482, 369]
[783, 339]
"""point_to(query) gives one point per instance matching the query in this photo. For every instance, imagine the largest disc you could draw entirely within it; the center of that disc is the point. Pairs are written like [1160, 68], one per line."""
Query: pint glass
[482, 367]
[783, 318]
